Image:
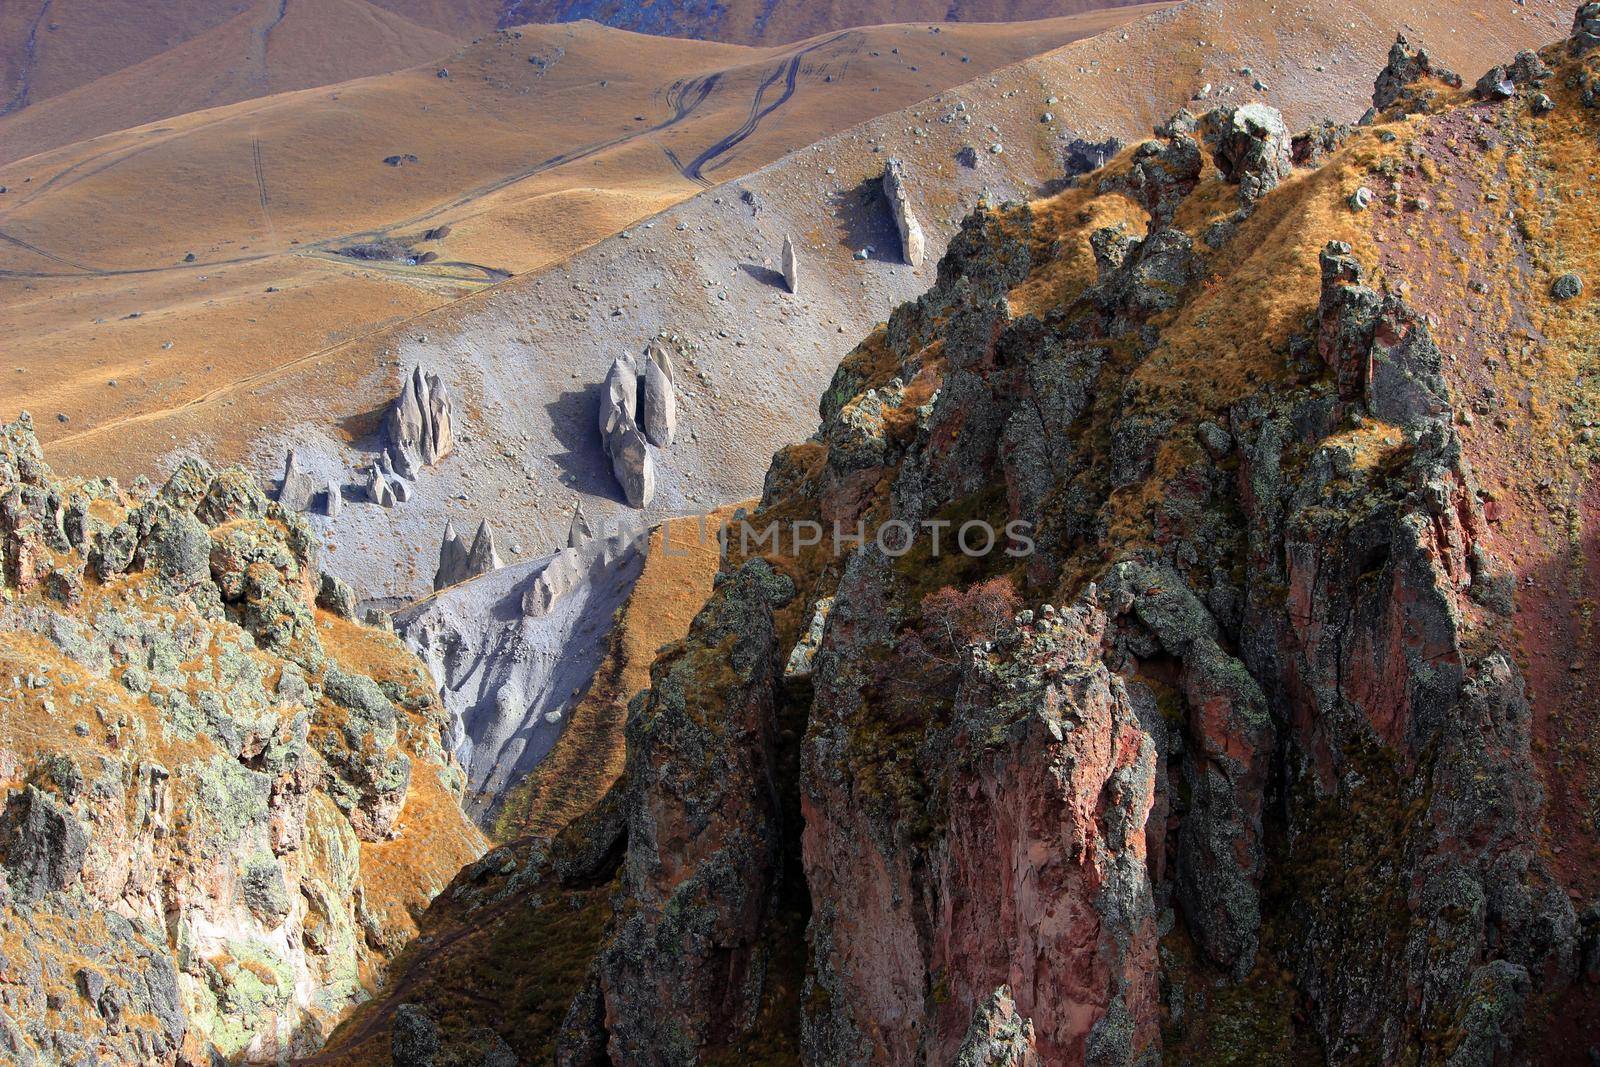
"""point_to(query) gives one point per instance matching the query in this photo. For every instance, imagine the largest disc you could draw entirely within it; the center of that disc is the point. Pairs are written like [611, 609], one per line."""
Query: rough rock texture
[620, 433]
[1258, 730]
[420, 426]
[1411, 82]
[658, 415]
[209, 774]
[791, 265]
[1251, 148]
[510, 651]
[912, 243]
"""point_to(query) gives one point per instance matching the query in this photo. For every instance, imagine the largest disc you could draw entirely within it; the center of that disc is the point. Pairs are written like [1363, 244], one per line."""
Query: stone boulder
[659, 417]
[620, 393]
[791, 265]
[912, 244]
[298, 488]
[631, 462]
[620, 434]
[379, 489]
[1401, 87]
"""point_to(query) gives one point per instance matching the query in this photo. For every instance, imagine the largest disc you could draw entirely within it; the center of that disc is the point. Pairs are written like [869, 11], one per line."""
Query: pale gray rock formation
[804, 655]
[452, 558]
[912, 244]
[379, 489]
[620, 435]
[620, 394]
[580, 532]
[298, 487]
[791, 265]
[335, 501]
[659, 419]
[631, 462]
[483, 556]
[459, 561]
[572, 566]
[397, 484]
[420, 425]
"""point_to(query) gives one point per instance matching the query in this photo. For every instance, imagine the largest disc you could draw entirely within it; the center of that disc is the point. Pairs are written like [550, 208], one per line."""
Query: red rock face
[1037, 882]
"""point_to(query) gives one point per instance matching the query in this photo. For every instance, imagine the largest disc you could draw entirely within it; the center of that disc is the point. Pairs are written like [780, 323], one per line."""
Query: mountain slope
[257, 53]
[527, 353]
[518, 164]
[1262, 737]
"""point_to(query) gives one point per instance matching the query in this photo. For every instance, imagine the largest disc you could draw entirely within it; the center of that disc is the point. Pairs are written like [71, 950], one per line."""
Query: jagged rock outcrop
[1409, 83]
[658, 415]
[912, 242]
[791, 265]
[1251, 146]
[298, 488]
[201, 839]
[452, 566]
[1249, 733]
[420, 427]
[511, 650]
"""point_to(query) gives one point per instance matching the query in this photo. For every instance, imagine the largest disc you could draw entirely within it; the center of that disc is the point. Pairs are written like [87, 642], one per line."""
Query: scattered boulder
[1495, 84]
[420, 425]
[335, 595]
[632, 463]
[791, 265]
[1567, 287]
[298, 488]
[620, 395]
[335, 499]
[660, 415]
[1585, 29]
[894, 190]
[1361, 199]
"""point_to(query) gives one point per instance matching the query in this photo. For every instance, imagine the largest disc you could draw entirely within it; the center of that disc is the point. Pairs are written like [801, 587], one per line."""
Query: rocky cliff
[1258, 733]
[224, 799]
